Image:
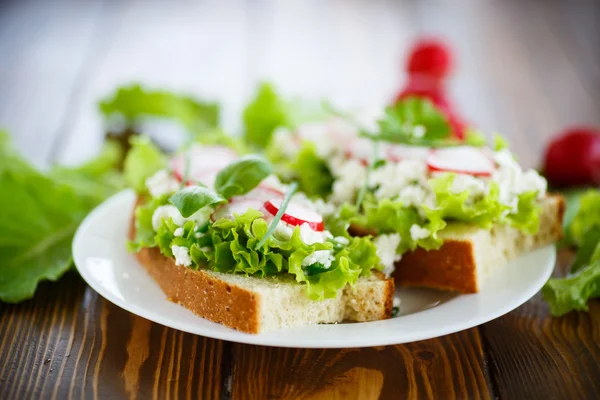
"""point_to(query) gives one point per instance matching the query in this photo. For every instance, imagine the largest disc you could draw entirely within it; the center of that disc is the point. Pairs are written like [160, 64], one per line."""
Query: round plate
[103, 261]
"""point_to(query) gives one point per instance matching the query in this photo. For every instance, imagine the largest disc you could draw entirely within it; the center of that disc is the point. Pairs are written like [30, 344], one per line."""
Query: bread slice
[256, 305]
[469, 254]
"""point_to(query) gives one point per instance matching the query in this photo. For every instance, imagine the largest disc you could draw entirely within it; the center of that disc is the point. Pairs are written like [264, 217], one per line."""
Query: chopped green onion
[286, 200]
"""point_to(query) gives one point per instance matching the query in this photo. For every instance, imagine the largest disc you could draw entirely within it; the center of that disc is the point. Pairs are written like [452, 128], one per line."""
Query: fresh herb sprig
[284, 204]
[235, 179]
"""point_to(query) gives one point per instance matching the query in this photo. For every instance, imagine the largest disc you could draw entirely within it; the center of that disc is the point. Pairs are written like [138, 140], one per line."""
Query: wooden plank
[448, 367]
[534, 356]
[68, 342]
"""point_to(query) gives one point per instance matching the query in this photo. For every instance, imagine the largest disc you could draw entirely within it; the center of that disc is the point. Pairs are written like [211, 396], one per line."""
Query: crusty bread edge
[454, 266]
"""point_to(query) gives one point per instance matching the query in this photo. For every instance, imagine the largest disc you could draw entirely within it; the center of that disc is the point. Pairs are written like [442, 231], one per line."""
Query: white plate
[103, 261]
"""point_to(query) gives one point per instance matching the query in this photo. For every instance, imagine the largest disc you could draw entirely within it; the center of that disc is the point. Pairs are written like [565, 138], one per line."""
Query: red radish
[236, 206]
[573, 158]
[296, 215]
[431, 57]
[202, 160]
[398, 152]
[461, 160]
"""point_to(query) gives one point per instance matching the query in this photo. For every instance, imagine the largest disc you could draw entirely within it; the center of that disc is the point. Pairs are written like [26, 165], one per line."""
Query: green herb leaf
[242, 175]
[134, 102]
[286, 200]
[311, 172]
[39, 215]
[414, 121]
[191, 199]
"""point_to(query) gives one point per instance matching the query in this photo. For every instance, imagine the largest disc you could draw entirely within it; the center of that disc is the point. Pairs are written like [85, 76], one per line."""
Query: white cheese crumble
[417, 233]
[324, 257]
[310, 236]
[342, 240]
[392, 178]
[166, 212]
[162, 183]
[350, 177]
[513, 181]
[169, 211]
[396, 301]
[475, 186]
[386, 251]
[178, 232]
[182, 255]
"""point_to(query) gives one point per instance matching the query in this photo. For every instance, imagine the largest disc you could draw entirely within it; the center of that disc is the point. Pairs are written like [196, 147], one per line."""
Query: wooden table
[527, 69]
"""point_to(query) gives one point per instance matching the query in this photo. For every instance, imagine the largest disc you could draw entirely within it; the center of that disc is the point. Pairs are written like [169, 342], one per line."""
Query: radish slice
[203, 159]
[461, 160]
[397, 152]
[263, 194]
[296, 215]
[236, 206]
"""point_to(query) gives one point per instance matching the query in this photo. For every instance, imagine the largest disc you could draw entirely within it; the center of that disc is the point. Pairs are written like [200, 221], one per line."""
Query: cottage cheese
[162, 183]
[386, 251]
[182, 255]
[418, 233]
[324, 257]
[178, 232]
[350, 177]
[168, 211]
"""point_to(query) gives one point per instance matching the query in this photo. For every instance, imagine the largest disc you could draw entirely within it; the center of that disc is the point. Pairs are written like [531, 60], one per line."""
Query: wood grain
[448, 367]
[68, 342]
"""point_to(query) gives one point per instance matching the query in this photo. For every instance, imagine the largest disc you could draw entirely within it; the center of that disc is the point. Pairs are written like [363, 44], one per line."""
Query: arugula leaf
[414, 121]
[133, 102]
[143, 160]
[39, 215]
[242, 175]
[190, 199]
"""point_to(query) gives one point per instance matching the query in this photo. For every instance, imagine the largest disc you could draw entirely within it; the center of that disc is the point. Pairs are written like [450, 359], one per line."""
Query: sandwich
[446, 212]
[223, 237]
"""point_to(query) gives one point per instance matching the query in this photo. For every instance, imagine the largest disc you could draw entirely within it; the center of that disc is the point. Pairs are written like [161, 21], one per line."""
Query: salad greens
[311, 172]
[268, 111]
[191, 199]
[143, 160]
[232, 246]
[134, 103]
[414, 121]
[583, 281]
[39, 214]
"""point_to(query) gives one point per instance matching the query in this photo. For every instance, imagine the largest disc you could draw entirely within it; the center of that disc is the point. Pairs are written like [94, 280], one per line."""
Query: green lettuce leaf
[133, 102]
[39, 214]
[311, 172]
[574, 291]
[268, 111]
[230, 246]
[587, 217]
[143, 160]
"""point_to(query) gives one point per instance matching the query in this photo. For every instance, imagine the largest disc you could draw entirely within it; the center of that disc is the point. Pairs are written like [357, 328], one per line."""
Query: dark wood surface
[527, 69]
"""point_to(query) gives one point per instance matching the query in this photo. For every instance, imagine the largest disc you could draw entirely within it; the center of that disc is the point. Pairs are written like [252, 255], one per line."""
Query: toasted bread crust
[454, 266]
[201, 292]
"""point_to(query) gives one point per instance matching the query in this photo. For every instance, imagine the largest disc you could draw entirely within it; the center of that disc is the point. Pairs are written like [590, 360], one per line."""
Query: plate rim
[279, 340]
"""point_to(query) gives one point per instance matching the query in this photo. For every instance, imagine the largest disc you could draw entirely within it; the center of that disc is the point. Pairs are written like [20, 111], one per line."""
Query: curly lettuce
[229, 246]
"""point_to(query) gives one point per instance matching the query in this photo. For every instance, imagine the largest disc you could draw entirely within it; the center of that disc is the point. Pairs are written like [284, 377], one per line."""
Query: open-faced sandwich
[454, 210]
[224, 238]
